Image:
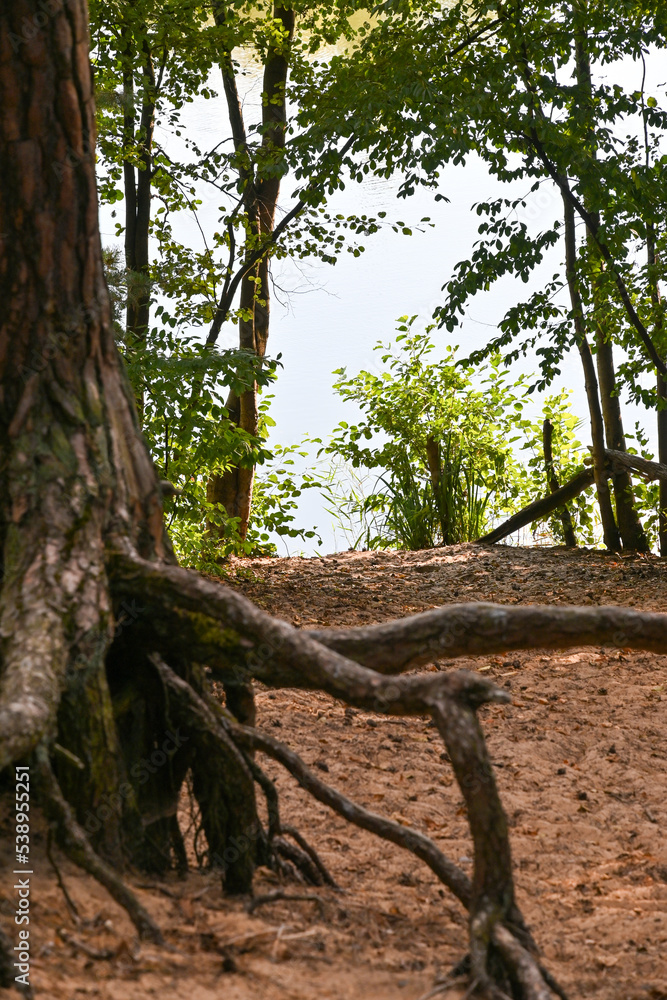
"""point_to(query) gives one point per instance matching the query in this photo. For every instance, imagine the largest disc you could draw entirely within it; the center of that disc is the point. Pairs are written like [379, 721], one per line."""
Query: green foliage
[181, 384]
[152, 59]
[647, 495]
[440, 439]
[278, 487]
[568, 458]
[449, 82]
[529, 89]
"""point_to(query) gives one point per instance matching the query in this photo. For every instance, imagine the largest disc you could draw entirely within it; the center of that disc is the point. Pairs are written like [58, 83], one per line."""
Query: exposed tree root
[278, 895]
[484, 628]
[69, 902]
[523, 964]
[410, 840]
[490, 898]
[223, 629]
[325, 875]
[301, 862]
[76, 845]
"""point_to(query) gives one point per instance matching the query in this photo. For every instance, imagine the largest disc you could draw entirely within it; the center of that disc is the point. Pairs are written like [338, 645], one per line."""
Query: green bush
[434, 458]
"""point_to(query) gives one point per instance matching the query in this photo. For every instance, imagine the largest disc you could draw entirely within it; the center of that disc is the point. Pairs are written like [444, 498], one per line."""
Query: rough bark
[554, 485]
[74, 471]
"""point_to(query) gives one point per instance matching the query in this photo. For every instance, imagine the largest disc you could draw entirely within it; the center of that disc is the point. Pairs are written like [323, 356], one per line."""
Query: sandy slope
[581, 757]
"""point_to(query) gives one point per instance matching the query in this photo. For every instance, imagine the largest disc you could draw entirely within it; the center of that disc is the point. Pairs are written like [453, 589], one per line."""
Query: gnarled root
[76, 845]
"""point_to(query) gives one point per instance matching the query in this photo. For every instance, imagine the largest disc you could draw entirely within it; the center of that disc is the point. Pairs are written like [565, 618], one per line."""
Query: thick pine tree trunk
[76, 480]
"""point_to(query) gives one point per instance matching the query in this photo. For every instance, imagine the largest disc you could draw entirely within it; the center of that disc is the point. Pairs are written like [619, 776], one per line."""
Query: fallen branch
[648, 471]
[541, 508]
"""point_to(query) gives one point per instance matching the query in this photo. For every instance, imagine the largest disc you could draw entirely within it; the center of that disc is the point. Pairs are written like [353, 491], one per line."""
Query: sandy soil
[581, 758]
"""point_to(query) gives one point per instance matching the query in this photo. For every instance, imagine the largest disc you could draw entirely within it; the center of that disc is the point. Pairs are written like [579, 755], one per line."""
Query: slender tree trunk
[661, 392]
[610, 532]
[434, 461]
[554, 485]
[137, 179]
[260, 193]
[662, 457]
[630, 528]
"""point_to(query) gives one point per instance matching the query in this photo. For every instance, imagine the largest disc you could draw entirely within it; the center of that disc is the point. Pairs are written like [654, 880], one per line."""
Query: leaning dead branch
[541, 508]
[648, 471]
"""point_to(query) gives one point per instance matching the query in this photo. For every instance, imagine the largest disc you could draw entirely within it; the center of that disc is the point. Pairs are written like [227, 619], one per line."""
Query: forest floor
[581, 759]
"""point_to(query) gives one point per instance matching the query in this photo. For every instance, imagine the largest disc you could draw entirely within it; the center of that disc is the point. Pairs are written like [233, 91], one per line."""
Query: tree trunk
[554, 485]
[662, 457]
[434, 460]
[260, 190]
[75, 476]
[610, 532]
[630, 528]
[661, 387]
[137, 187]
